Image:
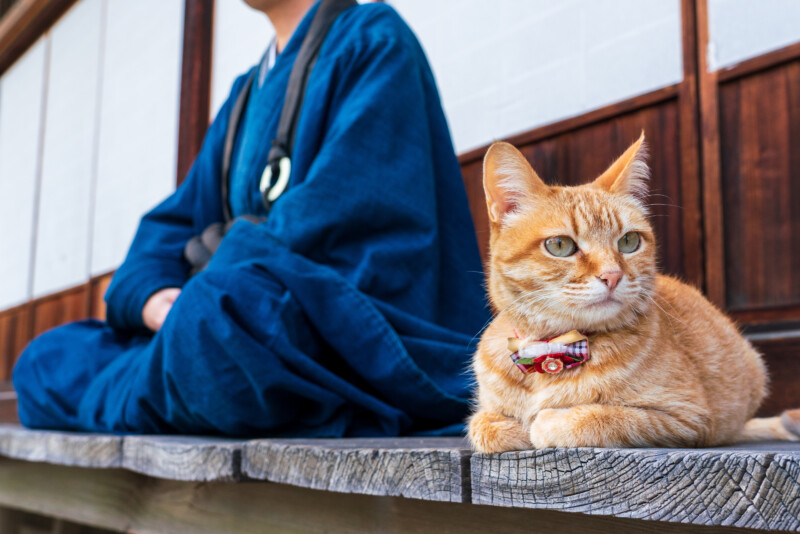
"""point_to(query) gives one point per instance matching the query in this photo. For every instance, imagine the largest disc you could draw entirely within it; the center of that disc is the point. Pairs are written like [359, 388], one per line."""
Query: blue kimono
[349, 312]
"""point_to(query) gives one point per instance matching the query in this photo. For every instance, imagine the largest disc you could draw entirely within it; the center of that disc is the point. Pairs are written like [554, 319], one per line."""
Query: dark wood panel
[581, 121]
[64, 307]
[782, 355]
[581, 155]
[473, 181]
[195, 82]
[760, 133]
[24, 23]
[15, 333]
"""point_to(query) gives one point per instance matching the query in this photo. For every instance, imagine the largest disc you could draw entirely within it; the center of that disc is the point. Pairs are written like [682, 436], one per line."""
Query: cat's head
[565, 258]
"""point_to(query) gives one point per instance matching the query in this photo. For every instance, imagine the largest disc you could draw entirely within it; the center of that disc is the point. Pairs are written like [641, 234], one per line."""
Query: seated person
[349, 311]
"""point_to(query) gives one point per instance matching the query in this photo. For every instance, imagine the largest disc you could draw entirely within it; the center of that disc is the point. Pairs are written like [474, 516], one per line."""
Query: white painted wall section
[138, 121]
[509, 66]
[21, 114]
[742, 29]
[62, 244]
[241, 36]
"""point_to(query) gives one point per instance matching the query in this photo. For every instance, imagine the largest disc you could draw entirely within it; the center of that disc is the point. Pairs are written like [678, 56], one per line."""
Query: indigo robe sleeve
[155, 259]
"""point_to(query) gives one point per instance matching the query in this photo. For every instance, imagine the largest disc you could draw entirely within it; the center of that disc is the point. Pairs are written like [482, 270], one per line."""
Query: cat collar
[550, 355]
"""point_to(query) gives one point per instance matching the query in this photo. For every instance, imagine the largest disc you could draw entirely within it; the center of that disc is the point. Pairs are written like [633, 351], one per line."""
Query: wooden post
[689, 124]
[713, 222]
[195, 82]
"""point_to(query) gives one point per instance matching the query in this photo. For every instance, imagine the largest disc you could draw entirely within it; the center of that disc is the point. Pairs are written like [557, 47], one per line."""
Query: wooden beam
[433, 469]
[750, 486]
[195, 82]
[183, 457]
[581, 121]
[62, 448]
[713, 221]
[24, 23]
[758, 316]
[760, 63]
[124, 501]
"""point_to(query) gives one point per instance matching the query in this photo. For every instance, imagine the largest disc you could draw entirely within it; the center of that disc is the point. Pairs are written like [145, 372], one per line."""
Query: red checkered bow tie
[551, 355]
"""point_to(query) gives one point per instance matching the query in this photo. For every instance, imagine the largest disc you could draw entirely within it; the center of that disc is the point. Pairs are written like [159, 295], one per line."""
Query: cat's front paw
[551, 429]
[493, 432]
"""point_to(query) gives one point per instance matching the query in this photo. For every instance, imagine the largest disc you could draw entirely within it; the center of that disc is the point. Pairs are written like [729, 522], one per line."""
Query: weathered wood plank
[63, 448]
[182, 457]
[434, 469]
[128, 502]
[752, 486]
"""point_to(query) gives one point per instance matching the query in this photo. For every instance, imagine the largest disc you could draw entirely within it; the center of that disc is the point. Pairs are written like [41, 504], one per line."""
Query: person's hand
[157, 307]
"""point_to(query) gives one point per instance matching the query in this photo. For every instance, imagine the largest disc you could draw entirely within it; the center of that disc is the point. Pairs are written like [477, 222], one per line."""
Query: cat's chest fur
[606, 377]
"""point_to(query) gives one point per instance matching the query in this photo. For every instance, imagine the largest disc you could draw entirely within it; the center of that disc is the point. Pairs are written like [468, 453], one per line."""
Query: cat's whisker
[669, 315]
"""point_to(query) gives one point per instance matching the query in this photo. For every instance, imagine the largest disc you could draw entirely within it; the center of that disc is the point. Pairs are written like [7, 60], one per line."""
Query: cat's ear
[629, 174]
[508, 180]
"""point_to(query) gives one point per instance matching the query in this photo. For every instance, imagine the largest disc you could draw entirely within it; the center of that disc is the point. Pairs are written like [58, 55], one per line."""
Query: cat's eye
[561, 246]
[629, 242]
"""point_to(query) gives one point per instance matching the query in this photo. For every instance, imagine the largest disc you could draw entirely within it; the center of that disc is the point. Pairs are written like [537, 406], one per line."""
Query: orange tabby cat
[665, 367]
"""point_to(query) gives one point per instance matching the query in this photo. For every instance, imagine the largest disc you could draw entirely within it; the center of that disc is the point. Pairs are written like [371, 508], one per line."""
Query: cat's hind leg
[599, 425]
[494, 432]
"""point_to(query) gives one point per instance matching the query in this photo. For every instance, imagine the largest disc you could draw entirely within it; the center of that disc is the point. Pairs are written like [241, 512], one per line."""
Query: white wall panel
[512, 65]
[241, 35]
[21, 108]
[741, 29]
[62, 243]
[138, 121]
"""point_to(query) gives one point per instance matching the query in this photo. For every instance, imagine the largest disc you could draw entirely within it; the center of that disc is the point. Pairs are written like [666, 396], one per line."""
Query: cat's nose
[611, 278]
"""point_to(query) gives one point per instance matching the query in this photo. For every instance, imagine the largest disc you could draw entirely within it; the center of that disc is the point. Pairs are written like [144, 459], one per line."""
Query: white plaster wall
[509, 65]
[21, 113]
[512, 65]
[742, 29]
[241, 36]
[138, 121]
[62, 243]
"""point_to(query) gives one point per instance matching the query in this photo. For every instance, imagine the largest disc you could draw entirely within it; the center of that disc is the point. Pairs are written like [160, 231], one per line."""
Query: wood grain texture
[755, 487]
[24, 23]
[15, 332]
[125, 501]
[62, 448]
[182, 457]
[760, 132]
[60, 308]
[432, 469]
[195, 82]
